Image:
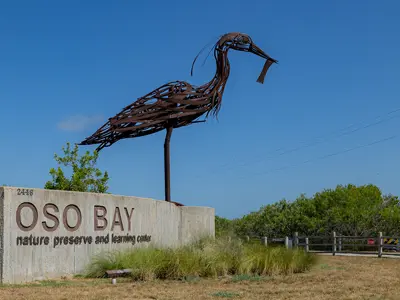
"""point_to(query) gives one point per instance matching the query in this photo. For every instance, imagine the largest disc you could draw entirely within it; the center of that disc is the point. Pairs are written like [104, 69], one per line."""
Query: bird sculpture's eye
[244, 40]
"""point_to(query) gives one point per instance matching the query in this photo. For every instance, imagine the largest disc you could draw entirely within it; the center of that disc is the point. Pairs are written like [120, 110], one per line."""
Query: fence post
[334, 243]
[307, 245]
[340, 244]
[287, 242]
[380, 245]
[264, 240]
[296, 239]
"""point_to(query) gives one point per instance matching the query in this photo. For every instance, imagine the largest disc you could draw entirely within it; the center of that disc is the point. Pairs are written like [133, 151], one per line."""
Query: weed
[225, 294]
[205, 258]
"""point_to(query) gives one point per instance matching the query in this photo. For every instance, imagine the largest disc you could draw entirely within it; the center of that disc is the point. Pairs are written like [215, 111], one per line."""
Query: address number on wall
[24, 192]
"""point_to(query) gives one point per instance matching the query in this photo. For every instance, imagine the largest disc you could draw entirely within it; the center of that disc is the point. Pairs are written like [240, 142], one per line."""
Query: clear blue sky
[66, 67]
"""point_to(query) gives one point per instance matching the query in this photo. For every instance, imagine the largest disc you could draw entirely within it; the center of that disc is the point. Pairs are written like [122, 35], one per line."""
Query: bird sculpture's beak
[257, 51]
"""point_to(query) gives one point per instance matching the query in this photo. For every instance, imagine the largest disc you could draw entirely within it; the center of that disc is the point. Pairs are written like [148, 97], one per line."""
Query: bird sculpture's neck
[215, 87]
[222, 61]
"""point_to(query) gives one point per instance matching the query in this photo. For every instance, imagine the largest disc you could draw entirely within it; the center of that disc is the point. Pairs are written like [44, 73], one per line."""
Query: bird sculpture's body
[177, 103]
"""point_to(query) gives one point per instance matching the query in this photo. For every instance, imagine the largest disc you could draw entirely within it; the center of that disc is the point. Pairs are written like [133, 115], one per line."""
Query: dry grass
[332, 278]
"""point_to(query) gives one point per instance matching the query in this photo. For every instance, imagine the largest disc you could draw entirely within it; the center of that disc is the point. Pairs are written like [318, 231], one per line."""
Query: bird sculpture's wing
[174, 104]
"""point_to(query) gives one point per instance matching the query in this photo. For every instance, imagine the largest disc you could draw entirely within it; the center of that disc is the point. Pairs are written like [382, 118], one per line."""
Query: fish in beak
[257, 51]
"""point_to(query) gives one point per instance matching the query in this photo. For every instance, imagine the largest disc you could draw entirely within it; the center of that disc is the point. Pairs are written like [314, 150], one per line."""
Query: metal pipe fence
[336, 244]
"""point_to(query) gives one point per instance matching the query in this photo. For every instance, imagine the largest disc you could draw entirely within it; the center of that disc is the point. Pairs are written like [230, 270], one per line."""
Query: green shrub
[204, 258]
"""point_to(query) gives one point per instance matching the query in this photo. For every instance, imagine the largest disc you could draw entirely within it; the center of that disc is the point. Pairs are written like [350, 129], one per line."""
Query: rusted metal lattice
[177, 103]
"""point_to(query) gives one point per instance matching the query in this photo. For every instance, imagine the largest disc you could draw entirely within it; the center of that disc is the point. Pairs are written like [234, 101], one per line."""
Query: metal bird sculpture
[177, 103]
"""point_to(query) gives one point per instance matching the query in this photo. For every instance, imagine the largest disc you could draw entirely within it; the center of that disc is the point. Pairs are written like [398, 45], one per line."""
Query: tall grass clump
[203, 258]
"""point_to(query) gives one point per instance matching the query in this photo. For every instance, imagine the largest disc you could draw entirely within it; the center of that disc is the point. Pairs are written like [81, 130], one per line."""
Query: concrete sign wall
[47, 234]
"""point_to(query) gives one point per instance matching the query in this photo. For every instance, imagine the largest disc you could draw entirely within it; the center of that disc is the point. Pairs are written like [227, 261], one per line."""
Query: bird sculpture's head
[243, 42]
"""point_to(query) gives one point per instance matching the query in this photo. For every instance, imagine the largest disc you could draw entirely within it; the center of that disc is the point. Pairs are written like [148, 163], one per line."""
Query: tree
[223, 226]
[85, 177]
[348, 209]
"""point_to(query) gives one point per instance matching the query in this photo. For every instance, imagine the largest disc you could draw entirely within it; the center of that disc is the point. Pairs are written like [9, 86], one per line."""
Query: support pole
[167, 171]
[333, 243]
[380, 244]
[296, 239]
[264, 241]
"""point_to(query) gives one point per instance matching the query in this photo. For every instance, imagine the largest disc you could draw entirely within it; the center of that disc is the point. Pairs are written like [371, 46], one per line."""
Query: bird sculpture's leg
[167, 164]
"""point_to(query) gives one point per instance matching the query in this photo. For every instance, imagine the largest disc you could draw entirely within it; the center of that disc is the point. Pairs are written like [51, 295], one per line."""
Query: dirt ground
[332, 278]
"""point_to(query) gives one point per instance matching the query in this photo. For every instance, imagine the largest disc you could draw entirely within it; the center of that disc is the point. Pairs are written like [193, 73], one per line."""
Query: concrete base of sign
[47, 234]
